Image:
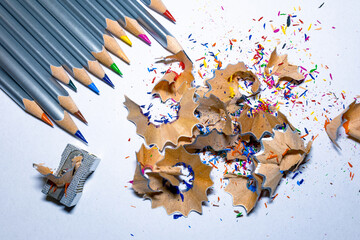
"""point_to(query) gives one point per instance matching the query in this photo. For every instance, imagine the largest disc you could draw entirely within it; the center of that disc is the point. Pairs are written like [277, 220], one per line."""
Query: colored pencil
[38, 93]
[156, 30]
[40, 74]
[56, 71]
[105, 19]
[124, 19]
[78, 31]
[72, 45]
[40, 35]
[94, 28]
[20, 97]
[159, 7]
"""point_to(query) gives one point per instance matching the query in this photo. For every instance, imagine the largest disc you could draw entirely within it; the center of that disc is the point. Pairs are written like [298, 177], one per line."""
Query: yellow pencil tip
[126, 40]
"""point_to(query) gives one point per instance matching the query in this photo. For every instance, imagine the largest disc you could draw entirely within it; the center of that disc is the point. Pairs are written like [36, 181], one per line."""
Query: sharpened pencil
[124, 19]
[41, 75]
[159, 7]
[95, 28]
[42, 37]
[20, 97]
[85, 58]
[38, 93]
[105, 19]
[56, 71]
[79, 32]
[165, 38]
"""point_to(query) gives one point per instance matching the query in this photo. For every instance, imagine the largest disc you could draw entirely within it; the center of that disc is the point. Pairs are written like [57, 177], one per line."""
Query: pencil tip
[79, 135]
[94, 88]
[124, 57]
[46, 119]
[116, 69]
[169, 16]
[126, 40]
[79, 115]
[72, 86]
[145, 38]
[108, 81]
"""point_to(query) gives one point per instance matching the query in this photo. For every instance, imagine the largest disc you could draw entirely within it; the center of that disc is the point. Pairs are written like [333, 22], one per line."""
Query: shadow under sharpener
[74, 190]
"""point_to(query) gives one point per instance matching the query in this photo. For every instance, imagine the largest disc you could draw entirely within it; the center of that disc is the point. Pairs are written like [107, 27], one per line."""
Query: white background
[325, 206]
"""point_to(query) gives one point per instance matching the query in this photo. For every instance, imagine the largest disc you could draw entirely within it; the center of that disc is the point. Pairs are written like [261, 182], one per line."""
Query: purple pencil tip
[145, 38]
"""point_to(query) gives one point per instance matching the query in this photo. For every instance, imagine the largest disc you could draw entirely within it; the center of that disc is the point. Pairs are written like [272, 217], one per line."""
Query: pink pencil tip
[145, 38]
[169, 16]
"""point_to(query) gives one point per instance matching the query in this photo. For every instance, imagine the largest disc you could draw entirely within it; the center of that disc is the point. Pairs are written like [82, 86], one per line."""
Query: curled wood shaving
[242, 195]
[169, 195]
[62, 178]
[225, 83]
[350, 118]
[165, 133]
[172, 86]
[282, 68]
[259, 123]
[283, 152]
[216, 140]
[214, 115]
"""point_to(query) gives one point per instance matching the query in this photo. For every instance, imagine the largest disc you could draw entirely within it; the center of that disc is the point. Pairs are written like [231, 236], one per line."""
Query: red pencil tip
[169, 16]
[79, 115]
[46, 119]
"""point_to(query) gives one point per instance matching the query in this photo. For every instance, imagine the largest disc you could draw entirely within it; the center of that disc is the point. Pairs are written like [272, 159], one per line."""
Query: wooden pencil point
[60, 74]
[113, 46]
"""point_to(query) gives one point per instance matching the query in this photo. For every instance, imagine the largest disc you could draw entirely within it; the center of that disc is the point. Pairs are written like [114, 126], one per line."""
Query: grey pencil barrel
[72, 25]
[147, 2]
[12, 89]
[8, 40]
[44, 78]
[98, 11]
[30, 85]
[118, 14]
[59, 33]
[156, 30]
[90, 23]
[33, 46]
[32, 66]
[37, 31]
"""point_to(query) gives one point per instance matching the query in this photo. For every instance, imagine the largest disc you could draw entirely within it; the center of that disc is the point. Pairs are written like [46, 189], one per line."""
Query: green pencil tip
[72, 85]
[116, 69]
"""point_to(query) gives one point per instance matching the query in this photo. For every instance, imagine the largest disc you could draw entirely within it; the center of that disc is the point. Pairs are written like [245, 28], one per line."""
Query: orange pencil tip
[169, 16]
[46, 119]
[79, 115]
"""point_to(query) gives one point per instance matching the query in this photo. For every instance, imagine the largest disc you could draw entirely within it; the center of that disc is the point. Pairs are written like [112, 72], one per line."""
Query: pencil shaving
[216, 140]
[173, 86]
[165, 133]
[349, 119]
[214, 115]
[225, 83]
[236, 152]
[146, 159]
[63, 178]
[238, 187]
[282, 68]
[284, 152]
[259, 123]
[172, 197]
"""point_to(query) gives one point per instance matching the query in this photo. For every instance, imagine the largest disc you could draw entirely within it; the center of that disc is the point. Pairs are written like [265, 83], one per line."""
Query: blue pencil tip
[108, 81]
[94, 88]
[79, 135]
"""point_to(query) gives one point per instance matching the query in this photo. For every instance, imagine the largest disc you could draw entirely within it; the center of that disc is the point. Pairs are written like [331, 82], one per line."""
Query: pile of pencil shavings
[216, 118]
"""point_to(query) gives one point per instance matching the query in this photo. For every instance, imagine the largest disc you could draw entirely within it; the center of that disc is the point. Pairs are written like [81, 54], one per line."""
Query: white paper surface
[325, 206]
